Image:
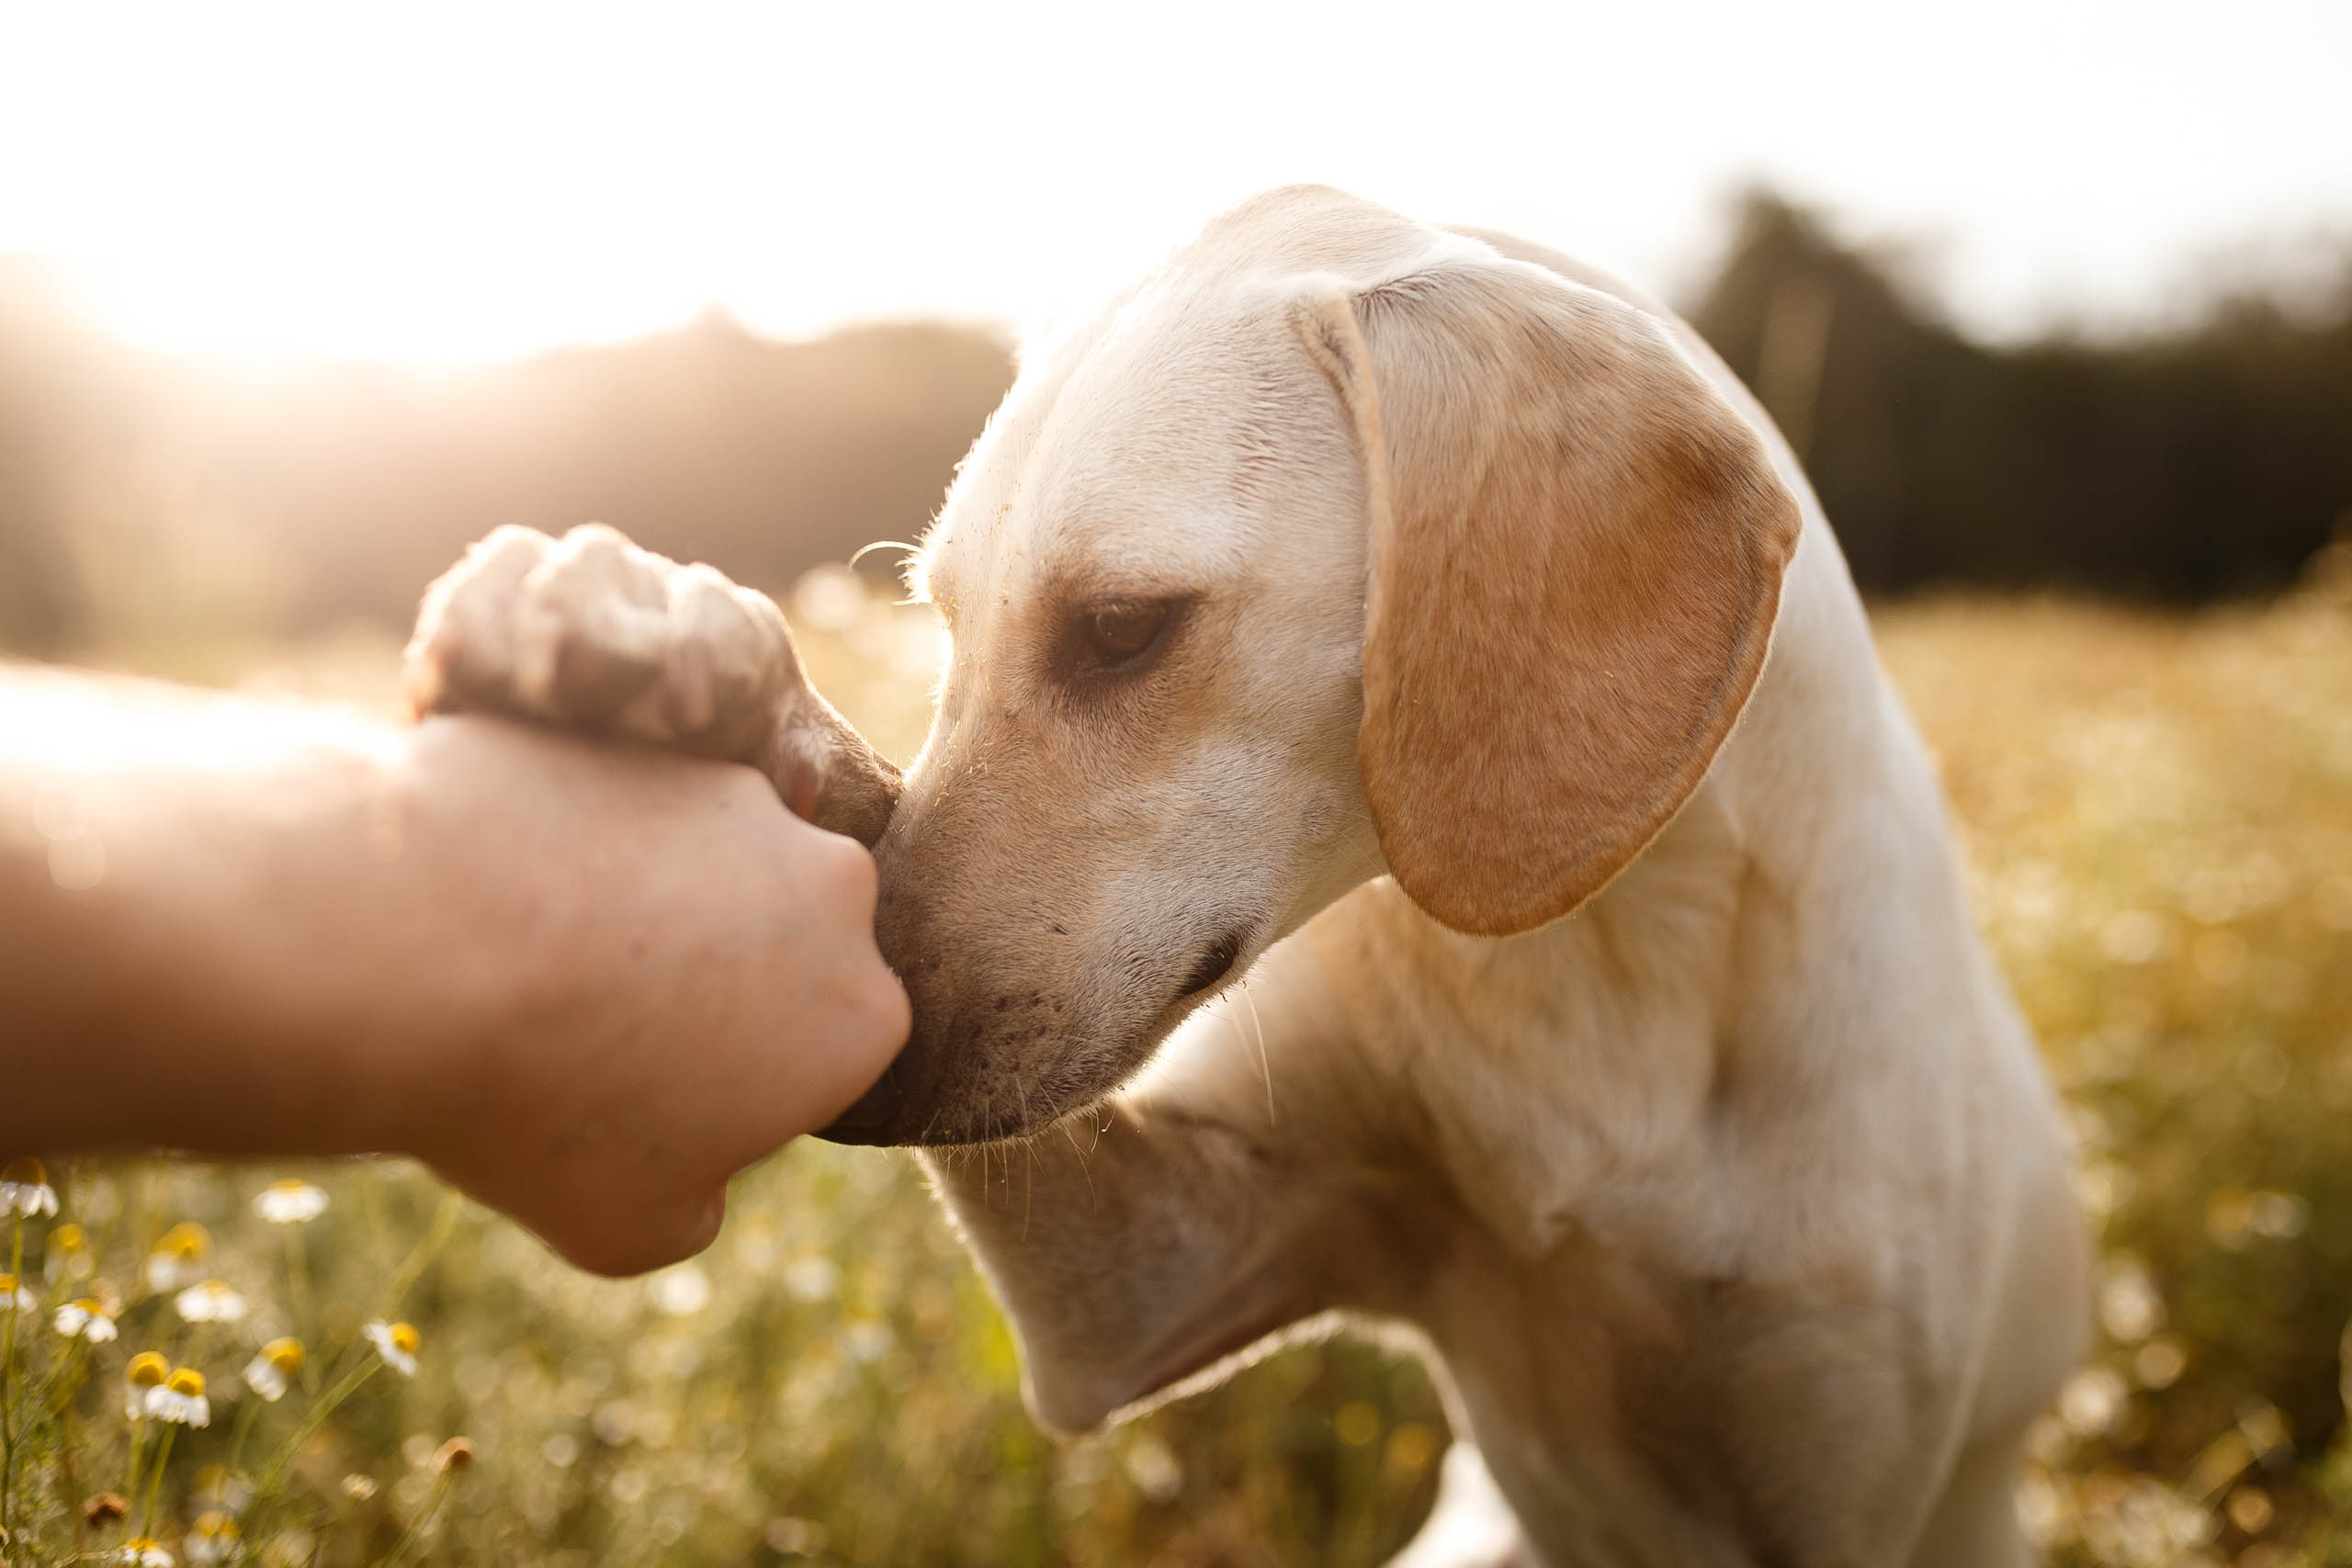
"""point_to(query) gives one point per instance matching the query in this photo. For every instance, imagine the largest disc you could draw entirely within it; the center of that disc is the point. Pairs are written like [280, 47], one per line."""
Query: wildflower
[25, 1188]
[289, 1203]
[213, 1537]
[104, 1509]
[14, 1297]
[218, 1486]
[181, 1399]
[266, 1373]
[177, 1253]
[212, 1302]
[397, 1342]
[143, 1380]
[456, 1454]
[85, 1319]
[68, 1254]
[144, 1551]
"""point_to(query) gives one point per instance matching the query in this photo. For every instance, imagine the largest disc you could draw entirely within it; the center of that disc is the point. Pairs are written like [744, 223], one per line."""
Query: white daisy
[219, 1487]
[178, 1258]
[181, 1399]
[13, 1296]
[25, 1188]
[144, 1551]
[67, 1256]
[289, 1203]
[212, 1539]
[85, 1319]
[266, 1373]
[397, 1342]
[142, 1381]
[211, 1301]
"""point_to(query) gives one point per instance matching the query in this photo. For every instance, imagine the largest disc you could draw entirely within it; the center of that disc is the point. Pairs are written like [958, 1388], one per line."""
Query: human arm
[585, 983]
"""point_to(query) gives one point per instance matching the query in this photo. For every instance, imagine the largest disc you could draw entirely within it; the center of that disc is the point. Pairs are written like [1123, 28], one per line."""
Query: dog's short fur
[1613, 1023]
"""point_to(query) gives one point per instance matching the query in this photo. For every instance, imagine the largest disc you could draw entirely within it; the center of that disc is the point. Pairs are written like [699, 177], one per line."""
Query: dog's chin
[885, 1118]
[905, 1109]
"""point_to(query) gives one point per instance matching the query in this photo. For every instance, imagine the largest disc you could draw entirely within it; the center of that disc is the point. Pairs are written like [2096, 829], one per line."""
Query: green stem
[131, 1482]
[417, 1526]
[8, 1383]
[264, 1490]
[77, 1356]
[298, 1283]
[155, 1486]
[247, 1409]
[445, 1224]
[317, 1414]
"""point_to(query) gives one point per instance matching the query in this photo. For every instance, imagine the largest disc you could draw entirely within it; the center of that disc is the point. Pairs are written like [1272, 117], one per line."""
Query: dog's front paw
[592, 633]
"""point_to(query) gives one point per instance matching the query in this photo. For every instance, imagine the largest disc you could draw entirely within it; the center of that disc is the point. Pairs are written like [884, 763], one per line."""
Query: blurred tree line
[143, 496]
[2209, 461]
[146, 495]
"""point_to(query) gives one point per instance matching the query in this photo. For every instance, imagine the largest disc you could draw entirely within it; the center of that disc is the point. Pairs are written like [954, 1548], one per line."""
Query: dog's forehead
[1124, 461]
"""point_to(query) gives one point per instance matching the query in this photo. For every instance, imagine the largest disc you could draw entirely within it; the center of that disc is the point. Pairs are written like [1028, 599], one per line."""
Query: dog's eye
[1118, 635]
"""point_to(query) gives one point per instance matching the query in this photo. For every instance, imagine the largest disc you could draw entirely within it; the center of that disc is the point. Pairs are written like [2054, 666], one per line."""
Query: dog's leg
[1974, 1524]
[1140, 1243]
[1471, 1526]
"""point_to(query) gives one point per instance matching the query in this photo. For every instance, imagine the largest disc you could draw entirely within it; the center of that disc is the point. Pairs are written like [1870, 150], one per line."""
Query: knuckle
[893, 1011]
[848, 871]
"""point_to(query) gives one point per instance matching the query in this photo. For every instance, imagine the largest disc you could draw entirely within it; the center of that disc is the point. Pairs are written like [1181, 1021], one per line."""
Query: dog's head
[1341, 545]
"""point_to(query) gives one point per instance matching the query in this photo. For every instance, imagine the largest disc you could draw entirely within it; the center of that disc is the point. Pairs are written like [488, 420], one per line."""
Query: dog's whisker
[1094, 1199]
[1265, 1070]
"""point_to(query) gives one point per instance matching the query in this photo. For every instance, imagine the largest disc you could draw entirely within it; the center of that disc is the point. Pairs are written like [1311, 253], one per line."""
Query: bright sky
[465, 182]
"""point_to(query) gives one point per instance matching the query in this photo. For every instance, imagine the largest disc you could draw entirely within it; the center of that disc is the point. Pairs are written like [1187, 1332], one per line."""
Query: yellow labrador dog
[1433, 632]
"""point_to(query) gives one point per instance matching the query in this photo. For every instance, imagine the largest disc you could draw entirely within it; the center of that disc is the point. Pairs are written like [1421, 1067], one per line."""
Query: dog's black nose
[870, 1119]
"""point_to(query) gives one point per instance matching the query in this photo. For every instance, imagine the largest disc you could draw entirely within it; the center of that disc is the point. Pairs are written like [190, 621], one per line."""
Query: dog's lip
[881, 1116]
[870, 1117]
[1216, 963]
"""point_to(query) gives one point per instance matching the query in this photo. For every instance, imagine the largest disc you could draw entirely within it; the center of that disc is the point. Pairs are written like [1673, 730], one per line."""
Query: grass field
[2158, 820]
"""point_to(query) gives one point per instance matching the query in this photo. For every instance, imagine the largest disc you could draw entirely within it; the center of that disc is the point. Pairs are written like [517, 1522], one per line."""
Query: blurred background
[2054, 299]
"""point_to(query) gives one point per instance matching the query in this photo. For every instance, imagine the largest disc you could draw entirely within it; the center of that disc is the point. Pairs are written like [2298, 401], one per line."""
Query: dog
[1425, 640]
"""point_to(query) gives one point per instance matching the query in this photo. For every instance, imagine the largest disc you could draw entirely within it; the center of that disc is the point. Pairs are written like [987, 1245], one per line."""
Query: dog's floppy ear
[1576, 554]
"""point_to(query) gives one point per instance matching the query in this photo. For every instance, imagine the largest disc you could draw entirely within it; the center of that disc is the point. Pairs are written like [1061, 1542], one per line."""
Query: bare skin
[586, 983]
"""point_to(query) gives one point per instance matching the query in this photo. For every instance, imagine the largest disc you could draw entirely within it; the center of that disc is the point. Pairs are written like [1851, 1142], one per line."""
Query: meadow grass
[2156, 813]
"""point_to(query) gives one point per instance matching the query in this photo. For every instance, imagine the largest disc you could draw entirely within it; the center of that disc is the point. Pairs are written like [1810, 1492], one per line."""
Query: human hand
[670, 974]
[593, 633]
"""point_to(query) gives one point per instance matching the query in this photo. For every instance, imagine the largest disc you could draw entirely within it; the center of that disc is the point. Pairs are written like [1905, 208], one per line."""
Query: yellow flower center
[186, 1380]
[7, 1284]
[404, 1338]
[217, 1525]
[25, 1172]
[147, 1369]
[188, 1240]
[285, 1355]
[66, 1238]
[90, 1306]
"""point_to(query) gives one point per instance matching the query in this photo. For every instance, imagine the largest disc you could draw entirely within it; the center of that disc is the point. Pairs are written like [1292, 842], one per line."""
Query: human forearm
[199, 888]
[587, 983]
